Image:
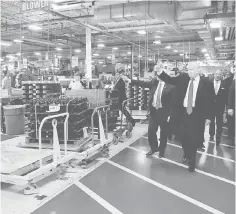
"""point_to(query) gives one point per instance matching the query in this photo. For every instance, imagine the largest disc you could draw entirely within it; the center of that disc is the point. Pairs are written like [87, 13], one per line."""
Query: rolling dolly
[103, 146]
[126, 127]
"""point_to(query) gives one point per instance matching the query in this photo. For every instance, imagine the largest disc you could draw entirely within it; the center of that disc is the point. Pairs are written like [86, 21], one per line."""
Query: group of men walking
[197, 100]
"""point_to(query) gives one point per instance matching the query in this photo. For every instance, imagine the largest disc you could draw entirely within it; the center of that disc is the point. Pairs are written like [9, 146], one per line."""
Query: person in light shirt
[197, 101]
[76, 84]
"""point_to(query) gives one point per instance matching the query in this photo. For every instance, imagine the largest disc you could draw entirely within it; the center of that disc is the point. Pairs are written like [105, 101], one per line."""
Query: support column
[88, 61]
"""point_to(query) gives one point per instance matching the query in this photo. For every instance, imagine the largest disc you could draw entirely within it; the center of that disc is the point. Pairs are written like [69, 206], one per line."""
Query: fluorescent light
[100, 45]
[95, 54]
[6, 43]
[9, 56]
[150, 59]
[109, 57]
[168, 47]
[204, 50]
[100, 62]
[206, 54]
[18, 54]
[1, 59]
[157, 42]
[215, 24]
[35, 27]
[181, 54]
[176, 51]
[141, 32]
[219, 38]
[59, 57]
[140, 56]
[129, 52]
[157, 37]
[77, 51]
[115, 48]
[17, 41]
[58, 49]
[37, 54]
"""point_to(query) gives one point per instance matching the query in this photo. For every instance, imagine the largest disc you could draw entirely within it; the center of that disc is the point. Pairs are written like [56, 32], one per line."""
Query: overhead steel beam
[219, 16]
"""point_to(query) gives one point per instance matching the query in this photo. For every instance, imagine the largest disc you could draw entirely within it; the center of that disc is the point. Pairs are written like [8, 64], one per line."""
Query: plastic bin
[14, 119]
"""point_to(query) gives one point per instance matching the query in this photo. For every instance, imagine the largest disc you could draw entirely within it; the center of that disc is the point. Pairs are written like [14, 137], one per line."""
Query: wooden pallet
[19, 161]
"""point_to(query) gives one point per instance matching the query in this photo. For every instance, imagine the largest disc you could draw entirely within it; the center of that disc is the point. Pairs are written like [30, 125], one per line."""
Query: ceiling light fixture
[37, 54]
[141, 32]
[35, 27]
[140, 56]
[150, 59]
[95, 54]
[219, 38]
[100, 62]
[176, 51]
[109, 57]
[58, 49]
[6, 43]
[181, 54]
[206, 54]
[115, 48]
[129, 52]
[77, 51]
[204, 50]
[100, 45]
[157, 42]
[59, 57]
[17, 41]
[215, 24]
[18, 54]
[157, 37]
[168, 47]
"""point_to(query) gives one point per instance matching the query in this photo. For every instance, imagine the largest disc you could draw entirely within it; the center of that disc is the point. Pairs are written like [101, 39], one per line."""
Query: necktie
[216, 87]
[190, 98]
[158, 102]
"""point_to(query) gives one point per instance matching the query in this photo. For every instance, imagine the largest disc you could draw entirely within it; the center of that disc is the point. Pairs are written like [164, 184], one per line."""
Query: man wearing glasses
[196, 96]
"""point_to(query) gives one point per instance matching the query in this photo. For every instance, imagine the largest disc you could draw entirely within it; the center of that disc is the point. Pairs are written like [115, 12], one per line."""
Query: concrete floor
[131, 183]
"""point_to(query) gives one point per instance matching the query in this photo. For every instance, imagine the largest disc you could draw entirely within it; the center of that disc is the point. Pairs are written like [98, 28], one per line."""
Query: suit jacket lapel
[199, 89]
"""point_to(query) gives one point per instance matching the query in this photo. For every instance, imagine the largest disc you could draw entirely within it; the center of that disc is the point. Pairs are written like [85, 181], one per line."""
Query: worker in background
[6, 81]
[197, 100]
[76, 83]
[119, 86]
[160, 99]
[220, 99]
[231, 111]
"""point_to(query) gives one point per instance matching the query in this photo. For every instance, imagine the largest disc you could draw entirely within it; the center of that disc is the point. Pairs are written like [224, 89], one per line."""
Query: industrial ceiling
[173, 30]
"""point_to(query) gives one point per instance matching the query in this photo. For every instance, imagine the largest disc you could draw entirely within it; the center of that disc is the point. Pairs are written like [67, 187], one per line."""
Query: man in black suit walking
[220, 99]
[197, 100]
[120, 87]
[160, 98]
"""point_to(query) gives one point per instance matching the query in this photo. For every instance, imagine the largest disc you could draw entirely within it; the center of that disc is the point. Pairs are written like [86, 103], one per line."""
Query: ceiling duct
[137, 11]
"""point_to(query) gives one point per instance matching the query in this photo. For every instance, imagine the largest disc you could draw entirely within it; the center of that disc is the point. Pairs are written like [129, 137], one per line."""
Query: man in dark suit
[197, 100]
[120, 87]
[220, 99]
[231, 112]
[159, 103]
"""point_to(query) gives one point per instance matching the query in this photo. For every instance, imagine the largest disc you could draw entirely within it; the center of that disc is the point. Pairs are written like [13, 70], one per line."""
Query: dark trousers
[126, 113]
[191, 135]
[218, 117]
[158, 118]
[231, 126]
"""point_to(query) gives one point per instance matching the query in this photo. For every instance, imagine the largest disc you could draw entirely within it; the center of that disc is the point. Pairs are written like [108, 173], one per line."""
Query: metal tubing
[92, 122]
[40, 128]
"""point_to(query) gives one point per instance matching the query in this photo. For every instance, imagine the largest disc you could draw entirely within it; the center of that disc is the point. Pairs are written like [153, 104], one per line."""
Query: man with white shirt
[220, 100]
[160, 100]
[196, 95]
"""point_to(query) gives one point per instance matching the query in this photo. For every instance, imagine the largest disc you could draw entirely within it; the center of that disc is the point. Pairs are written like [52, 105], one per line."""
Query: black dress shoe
[191, 168]
[161, 155]
[151, 152]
